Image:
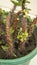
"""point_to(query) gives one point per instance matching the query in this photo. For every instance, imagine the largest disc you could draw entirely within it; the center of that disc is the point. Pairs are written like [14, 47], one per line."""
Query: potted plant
[17, 35]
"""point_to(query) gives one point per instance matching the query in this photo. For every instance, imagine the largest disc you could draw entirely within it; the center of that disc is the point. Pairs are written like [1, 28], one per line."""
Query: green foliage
[3, 15]
[11, 30]
[22, 35]
[0, 41]
[4, 47]
[27, 1]
[29, 20]
[1, 33]
[22, 4]
[19, 3]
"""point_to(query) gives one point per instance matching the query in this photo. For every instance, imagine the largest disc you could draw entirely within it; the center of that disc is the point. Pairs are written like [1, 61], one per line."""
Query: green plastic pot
[20, 61]
[23, 60]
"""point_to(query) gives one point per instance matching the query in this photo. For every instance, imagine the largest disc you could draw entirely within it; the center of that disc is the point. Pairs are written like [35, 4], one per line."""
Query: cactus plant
[19, 28]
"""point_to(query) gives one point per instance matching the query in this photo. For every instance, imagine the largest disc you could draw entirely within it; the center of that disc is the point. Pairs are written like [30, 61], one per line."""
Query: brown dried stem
[8, 19]
[8, 36]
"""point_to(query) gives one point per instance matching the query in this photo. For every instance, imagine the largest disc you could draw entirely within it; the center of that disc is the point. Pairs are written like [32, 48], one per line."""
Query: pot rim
[22, 59]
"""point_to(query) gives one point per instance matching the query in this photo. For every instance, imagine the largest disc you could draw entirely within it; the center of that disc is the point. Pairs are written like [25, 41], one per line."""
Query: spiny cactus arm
[25, 11]
[8, 19]
[16, 19]
[7, 30]
[24, 24]
[8, 36]
[31, 29]
[32, 26]
[23, 18]
[10, 50]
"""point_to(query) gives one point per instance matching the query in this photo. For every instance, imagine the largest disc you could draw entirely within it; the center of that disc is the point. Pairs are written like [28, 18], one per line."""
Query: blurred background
[7, 5]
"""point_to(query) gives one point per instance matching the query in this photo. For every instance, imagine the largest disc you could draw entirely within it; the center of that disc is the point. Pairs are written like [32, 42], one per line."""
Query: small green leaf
[19, 36]
[27, 1]
[27, 9]
[11, 30]
[17, 3]
[4, 47]
[29, 19]
[1, 33]
[0, 42]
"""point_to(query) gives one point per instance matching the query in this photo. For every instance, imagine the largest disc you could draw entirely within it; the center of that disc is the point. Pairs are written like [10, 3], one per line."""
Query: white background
[7, 5]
